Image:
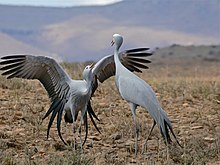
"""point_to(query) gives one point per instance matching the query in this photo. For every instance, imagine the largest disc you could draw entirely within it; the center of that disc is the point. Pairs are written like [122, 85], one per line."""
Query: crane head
[87, 73]
[117, 40]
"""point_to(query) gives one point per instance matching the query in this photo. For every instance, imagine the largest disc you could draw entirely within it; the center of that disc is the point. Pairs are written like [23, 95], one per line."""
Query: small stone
[95, 138]
[18, 130]
[209, 139]
[21, 134]
[197, 127]
[90, 145]
[185, 104]
[116, 136]
[129, 143]
[103, 104]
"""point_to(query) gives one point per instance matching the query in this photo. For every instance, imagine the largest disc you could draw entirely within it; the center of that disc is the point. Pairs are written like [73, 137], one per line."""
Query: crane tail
[172, 132]
[59, 118]
[162, 120]
[91, 115]
[53, 106]
[166, 133]
[91, 111]
[52, 119]
[56, 109]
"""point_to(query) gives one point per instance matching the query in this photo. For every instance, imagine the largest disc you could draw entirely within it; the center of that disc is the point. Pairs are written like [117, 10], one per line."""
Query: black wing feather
[137, 50]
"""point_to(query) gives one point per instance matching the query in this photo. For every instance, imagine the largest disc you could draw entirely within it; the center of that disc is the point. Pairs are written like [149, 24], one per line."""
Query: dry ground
[190, 94]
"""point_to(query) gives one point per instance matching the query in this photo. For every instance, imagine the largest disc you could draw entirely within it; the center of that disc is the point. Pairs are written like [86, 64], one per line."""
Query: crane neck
[89, 80]
[118, 63]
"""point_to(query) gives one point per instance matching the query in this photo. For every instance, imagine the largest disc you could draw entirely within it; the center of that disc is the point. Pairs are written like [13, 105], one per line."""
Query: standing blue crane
[66, 94]
[138, 93]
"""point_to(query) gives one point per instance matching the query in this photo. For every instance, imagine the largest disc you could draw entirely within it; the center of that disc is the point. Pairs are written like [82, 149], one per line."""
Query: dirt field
[190, 94]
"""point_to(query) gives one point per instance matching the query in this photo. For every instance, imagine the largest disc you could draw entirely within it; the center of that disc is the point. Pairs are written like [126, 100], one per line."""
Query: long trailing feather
[91, 115]
[54, 104]
[171, 130]
[55, 111]
[59, 118]
[91, 111]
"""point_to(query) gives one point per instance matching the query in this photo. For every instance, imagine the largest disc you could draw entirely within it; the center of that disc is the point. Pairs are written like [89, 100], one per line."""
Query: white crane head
[117, 40]
[87, 72]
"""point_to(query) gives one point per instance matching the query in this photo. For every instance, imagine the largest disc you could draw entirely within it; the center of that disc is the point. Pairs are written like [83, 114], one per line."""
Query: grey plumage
[138, 93]
[66, 94]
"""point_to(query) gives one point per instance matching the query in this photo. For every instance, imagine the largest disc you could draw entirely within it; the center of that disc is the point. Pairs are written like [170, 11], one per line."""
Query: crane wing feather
[54, 79]
[132, 59]
[45, 69]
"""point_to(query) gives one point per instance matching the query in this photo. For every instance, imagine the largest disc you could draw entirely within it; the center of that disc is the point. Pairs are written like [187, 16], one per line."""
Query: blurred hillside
[186, 54]
[84, 33]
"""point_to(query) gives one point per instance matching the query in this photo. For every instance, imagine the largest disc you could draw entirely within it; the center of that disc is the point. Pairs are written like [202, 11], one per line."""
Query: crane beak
[92, 65]
[112, 43]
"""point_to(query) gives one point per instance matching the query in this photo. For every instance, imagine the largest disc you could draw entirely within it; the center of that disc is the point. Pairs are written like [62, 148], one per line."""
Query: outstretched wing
[132, 59]
[54, 79]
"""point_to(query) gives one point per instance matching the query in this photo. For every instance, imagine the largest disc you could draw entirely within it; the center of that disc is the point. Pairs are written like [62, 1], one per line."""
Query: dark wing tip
[141, 60]
[133, 68]
[12, 57]
[139, 54]
[139, 65]
[137, 50]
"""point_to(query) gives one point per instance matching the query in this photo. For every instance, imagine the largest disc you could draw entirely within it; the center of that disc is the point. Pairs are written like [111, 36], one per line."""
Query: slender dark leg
[133, 109]
[85, 121]
[80, 127]
[74, 127]
[145, 144]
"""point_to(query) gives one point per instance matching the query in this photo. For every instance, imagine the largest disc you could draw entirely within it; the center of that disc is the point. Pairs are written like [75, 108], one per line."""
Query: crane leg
[133, 109]
[85, 121]
[80, 135]
[145, 143]
[74, 127]
[83, 112]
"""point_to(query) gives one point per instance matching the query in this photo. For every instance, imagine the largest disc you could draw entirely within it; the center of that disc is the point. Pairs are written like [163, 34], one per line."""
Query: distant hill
[9, 45]
[84, 33]
[187, 55]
